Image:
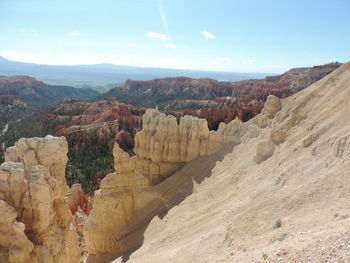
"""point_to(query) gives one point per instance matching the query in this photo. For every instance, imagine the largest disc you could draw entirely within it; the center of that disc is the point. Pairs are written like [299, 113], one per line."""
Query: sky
[221, 35]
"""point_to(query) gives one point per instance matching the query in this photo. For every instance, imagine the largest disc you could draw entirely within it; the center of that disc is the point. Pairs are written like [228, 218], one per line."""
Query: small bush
[278, 223]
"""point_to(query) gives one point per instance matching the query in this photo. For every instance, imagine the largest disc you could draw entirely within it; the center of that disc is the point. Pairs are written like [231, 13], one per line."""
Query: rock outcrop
[129, 198]
[163, 145]
[35, 222]
[78, 200]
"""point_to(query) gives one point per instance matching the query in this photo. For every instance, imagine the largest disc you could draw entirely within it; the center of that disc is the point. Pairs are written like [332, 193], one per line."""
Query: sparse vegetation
[280, 238]
[278, 223]
[264, 256]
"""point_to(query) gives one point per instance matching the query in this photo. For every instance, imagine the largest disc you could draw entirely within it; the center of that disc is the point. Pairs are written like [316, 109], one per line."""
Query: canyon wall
[144, 185]
[35, 222]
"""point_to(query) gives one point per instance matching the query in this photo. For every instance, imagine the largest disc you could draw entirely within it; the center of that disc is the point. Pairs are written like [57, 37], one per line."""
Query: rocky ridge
[300, 127]
[281, 196]
[251, 93]
[162, 148]
[38, 93]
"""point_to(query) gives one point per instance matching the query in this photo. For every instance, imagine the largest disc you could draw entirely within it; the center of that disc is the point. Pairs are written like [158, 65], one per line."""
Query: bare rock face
[129, 198]
[163, 145]
[17, 246]
[35, 221]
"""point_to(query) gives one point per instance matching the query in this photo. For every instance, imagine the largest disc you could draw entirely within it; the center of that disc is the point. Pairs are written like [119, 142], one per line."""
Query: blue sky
[221, 35]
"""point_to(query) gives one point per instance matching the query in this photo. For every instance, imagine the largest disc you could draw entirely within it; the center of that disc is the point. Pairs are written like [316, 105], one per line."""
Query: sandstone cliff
[35, 222]
[129, 198]
[281, 196]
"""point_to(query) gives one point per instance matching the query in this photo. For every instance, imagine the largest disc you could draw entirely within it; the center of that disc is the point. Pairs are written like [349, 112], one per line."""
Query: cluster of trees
[21, 122]
[89, 165]
[154, 99]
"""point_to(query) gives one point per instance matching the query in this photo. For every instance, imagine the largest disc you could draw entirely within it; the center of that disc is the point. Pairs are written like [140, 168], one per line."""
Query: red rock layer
[102, 120]
[77, 199]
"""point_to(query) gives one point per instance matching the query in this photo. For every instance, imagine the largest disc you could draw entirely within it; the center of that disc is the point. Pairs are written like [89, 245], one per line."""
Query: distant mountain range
[104, 76]
[40, 94]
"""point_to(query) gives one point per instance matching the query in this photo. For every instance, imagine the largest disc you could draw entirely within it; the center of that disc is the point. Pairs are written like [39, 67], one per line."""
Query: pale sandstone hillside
[230, 215]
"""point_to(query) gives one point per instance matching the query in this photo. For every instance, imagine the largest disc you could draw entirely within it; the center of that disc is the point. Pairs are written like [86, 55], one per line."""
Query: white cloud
[170, 45]
[157, 36]
[129, 44]
[21, 30]
[224, 59]
[207, 35]
[74, 34]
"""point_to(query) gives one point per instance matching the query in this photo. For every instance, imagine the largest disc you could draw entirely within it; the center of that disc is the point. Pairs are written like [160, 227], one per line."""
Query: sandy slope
[230, 216]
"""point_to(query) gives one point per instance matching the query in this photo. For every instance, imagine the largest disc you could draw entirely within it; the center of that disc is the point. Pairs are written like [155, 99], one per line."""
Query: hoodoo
[35, 222]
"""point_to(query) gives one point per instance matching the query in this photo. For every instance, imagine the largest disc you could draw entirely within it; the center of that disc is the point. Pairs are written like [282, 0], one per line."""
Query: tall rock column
[35, 222]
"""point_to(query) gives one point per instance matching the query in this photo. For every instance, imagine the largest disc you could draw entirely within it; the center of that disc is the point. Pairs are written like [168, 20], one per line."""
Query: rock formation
[129, 198]
[79, 121]
[78, 200]
[149, 93]
[35, 222]
[295, 172]
[203, 98]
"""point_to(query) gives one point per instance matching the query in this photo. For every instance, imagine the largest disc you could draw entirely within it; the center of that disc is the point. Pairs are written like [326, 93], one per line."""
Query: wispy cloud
[74, 34]
[129, 44]
[224, 59]
[163, 17]
[207, 35]
[171, 45]
[21, 30]
[157, 36]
